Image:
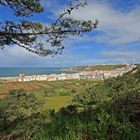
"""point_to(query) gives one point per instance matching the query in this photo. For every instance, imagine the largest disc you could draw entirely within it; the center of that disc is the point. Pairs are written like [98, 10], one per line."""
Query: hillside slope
[94, 67]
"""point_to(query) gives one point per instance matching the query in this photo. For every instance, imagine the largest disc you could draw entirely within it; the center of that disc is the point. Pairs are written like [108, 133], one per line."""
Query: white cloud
[115, 27]
[122, 56]
[19, 57]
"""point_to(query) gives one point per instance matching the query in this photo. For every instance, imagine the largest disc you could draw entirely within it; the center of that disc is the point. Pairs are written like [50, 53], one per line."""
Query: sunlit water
[13, 72]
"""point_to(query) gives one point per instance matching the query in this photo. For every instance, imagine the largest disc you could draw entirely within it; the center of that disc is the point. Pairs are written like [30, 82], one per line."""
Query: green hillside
[89, 110]
[94, 67]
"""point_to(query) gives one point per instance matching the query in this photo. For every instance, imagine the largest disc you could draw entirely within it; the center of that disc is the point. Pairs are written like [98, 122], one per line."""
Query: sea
[14, 72]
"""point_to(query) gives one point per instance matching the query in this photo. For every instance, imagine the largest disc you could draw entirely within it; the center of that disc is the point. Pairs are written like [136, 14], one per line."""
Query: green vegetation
[1, 85]
[18, 110]
[28, 32]
[106, 110]
[95, 67]
[57, 102]
[47, 87]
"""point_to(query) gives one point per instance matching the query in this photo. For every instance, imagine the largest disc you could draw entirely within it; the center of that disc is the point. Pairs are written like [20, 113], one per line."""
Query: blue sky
[116, 40]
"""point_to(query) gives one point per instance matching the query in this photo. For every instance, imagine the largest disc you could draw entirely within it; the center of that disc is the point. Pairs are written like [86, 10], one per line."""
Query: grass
[57, 102]
[111, 117]
[100, 110]
[58, 94]
[50, 86]
[53, 100]
[1, 85]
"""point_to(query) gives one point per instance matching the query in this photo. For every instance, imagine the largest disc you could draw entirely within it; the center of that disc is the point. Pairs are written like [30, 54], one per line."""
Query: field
[72, 109]
[57, 102]
[56, 94]
[5, 87]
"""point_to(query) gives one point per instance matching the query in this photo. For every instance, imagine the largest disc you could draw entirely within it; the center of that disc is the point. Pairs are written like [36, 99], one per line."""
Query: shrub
[17, 107]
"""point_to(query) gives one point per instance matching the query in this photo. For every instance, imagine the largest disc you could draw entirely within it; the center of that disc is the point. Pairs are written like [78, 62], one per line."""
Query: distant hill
[94, 67]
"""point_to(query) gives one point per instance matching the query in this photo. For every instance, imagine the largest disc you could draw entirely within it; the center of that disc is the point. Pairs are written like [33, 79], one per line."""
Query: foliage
[112, 88]
[22, 7]
[16, 107]
[105, 122]
[103, 111]
[27, 34]
[137, 74]
[102, 115]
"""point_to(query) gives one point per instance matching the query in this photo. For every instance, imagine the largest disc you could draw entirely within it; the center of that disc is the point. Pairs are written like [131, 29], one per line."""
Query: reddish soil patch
[29, 86]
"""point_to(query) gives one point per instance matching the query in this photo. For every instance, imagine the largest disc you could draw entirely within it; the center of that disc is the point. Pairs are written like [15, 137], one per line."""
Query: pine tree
[28, 34]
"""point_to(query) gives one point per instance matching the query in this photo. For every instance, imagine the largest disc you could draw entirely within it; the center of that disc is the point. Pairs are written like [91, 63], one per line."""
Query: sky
[115, 41]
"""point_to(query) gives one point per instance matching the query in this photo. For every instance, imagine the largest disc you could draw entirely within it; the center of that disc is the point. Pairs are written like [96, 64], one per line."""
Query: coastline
[14, 72]
[94, 74]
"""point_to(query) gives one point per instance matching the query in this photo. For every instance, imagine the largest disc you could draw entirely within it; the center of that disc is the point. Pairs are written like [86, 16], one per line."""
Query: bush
[16, 107]
[104, 112]
[61, 92]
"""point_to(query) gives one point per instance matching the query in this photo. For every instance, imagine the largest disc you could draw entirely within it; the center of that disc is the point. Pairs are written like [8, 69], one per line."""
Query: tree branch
[40, 33]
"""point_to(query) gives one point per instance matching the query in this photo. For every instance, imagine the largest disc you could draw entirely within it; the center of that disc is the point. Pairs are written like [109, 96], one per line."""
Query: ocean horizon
[15, 71]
